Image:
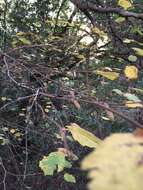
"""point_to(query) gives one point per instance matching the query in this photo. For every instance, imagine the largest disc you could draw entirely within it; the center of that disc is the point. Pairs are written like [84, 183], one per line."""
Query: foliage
[55, 160]
[108, 75]
[84, 137]
[71, 75]
[69, 178]
[131, 72]
[125, 4]
[116, 163]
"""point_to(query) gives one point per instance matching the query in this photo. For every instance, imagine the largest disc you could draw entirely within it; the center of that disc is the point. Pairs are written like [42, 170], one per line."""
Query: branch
[85, 5]
[101, 105]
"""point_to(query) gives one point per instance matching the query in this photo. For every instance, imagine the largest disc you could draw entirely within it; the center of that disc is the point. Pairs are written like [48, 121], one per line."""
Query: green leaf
[137, 90]
[117, 91]
[3, 140]
[116, 164]
[120, 19]
[55, 161]
[132, 97]
[129, 96]
[24, 40]
[69, 178]
[132, 58]
[84, 137]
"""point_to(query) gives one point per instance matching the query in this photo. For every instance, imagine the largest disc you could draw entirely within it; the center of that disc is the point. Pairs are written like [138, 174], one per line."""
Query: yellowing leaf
[138, 51]
[131, 104]
[116, 163]
[55, 161]
[108, 74]
[84, 137]
[125, 4]
[131, 72]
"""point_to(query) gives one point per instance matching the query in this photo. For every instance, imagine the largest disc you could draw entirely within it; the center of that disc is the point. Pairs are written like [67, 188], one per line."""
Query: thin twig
[5, 174]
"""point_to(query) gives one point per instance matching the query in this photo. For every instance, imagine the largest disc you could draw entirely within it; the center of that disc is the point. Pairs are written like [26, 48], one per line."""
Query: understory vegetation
[71, 94]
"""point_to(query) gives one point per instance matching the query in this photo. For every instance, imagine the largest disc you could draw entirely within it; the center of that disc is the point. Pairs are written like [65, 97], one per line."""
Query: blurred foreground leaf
[116, 164]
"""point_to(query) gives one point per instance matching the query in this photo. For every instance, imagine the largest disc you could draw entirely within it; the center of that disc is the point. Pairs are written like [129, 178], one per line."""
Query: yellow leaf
[131, 104]
[84, 137]
[116, 163]
[131, 72]
[108, 74]
[138, 51]
[125, 4]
